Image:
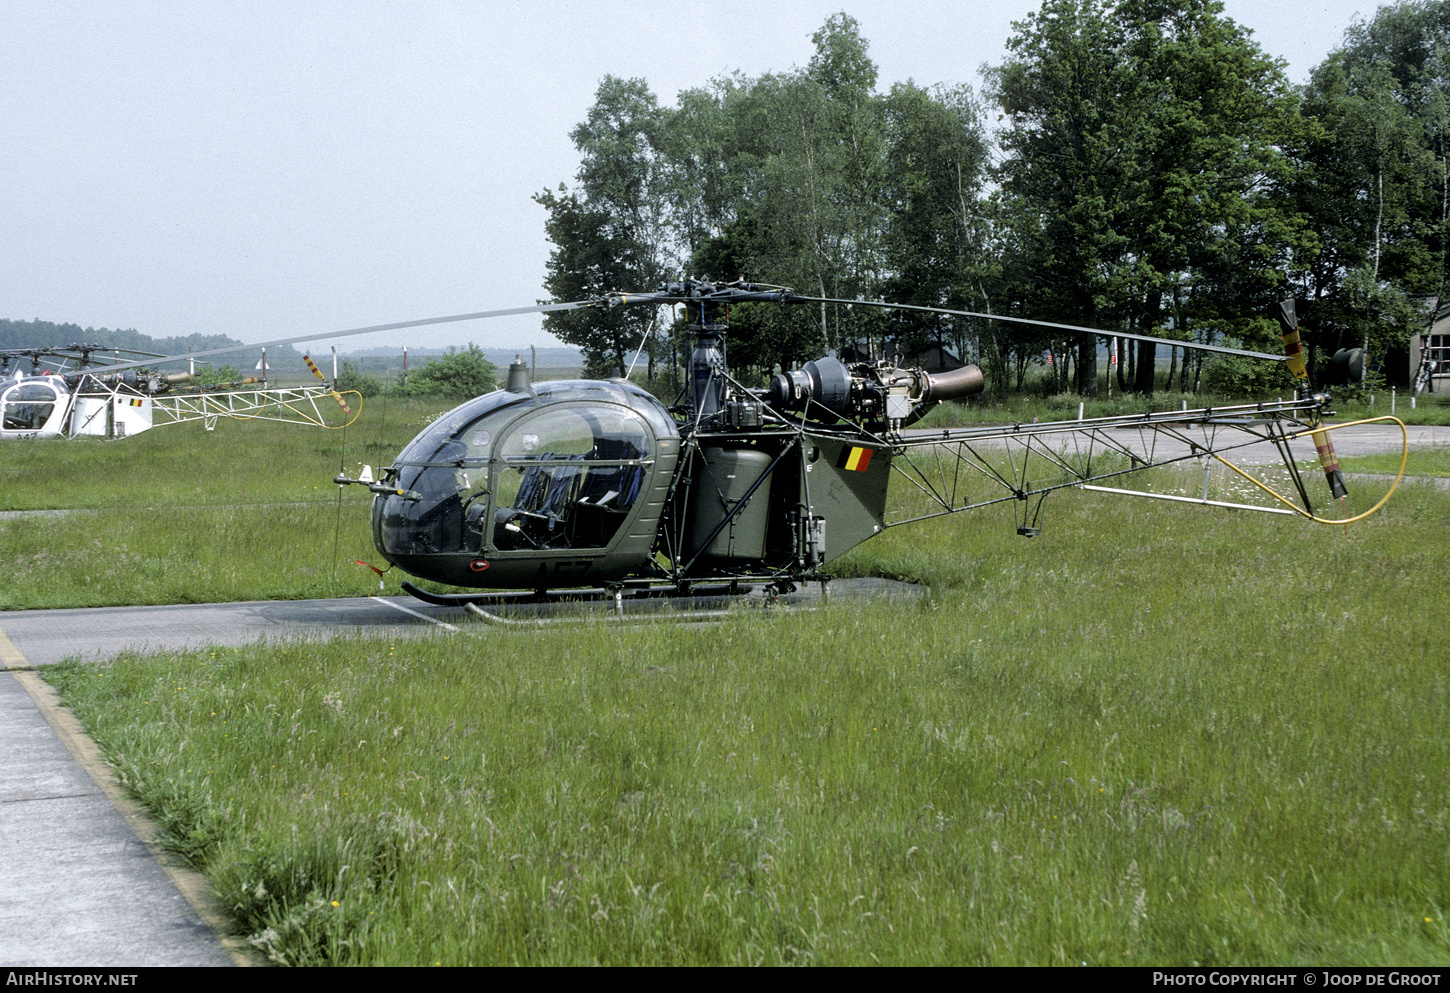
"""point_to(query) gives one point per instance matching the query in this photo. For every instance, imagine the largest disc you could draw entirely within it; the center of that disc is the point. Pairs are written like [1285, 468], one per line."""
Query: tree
[1213, 232]
[457, 375]
[215, 375]
[803, 156]
[612, 234]
[786, 227]
[1142, 147]
[1070, 149]
[934, 243]
[1374, 178]
[365, 384]
[807, 178]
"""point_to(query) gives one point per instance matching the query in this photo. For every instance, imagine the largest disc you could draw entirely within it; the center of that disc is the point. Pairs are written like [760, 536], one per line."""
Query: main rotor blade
[398, 326]
[1221, 349]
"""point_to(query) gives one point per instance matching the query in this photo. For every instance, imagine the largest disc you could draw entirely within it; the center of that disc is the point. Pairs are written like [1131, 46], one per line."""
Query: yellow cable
[355, 414]
[1404, 458]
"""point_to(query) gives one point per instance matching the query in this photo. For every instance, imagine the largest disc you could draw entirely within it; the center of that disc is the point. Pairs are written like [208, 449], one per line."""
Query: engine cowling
[828, 388]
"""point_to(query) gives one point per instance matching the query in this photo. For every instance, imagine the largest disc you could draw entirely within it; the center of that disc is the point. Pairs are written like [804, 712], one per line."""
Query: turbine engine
[870, 391]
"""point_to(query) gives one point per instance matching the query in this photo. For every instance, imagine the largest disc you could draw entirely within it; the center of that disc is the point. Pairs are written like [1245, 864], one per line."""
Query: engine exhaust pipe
[964, 382]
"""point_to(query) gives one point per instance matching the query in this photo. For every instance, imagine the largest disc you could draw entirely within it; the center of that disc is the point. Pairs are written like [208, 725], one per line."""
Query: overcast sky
[264, 169]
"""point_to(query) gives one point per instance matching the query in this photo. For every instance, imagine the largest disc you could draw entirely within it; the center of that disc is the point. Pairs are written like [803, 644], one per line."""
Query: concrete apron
[82, 882]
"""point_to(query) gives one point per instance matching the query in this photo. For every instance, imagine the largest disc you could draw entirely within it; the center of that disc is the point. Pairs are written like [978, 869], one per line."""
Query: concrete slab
[79, 888]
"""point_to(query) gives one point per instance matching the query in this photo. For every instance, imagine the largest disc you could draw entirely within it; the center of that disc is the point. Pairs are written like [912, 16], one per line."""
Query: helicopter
[116, 399]
[599, 485]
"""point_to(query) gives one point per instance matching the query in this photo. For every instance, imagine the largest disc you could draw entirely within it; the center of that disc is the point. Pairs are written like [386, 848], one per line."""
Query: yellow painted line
[10, 656]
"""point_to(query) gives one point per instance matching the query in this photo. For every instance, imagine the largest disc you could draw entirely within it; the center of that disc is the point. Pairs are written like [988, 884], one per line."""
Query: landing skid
[642, 603]
[573, 596]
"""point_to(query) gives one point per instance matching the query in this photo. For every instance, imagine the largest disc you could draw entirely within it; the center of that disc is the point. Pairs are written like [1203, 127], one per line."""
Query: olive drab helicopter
[105, 397]
[597, 484]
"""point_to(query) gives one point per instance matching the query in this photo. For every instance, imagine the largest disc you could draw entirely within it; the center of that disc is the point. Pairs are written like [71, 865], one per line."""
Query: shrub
[366, 384]
[457, 375]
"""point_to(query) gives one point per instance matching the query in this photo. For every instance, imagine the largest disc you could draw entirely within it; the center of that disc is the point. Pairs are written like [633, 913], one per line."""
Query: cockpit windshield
[464, 435]
[25, 405]
[559, 468]
[566, 476]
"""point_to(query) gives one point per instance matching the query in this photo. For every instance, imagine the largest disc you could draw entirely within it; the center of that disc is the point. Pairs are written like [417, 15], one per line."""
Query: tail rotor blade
[1293, 349]
[1294, 359]
[1330, 461]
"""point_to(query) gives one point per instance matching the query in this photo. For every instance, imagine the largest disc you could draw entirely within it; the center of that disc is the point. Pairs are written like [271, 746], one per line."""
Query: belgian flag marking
[137, 402]
[854, 459]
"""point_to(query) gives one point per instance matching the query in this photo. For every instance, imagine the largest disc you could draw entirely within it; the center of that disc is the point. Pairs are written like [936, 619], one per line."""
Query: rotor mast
[708, 321]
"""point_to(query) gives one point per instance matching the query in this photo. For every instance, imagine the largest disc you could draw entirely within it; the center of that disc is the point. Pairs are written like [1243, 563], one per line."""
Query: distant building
[1438, 340]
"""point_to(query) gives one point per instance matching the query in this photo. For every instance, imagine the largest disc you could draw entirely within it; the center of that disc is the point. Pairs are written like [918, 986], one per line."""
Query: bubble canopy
[557, 469]
[466, 434]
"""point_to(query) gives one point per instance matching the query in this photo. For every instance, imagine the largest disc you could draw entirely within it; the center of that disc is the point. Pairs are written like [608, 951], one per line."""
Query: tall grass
[1431, 461]
[181, 515]
[1153, 735]
[241, 462]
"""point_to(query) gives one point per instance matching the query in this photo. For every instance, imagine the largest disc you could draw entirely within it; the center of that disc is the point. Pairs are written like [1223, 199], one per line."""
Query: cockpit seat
[540, 508]
[571, 506]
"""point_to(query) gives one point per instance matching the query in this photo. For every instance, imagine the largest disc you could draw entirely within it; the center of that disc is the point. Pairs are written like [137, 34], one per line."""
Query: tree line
[47, 334]
[1140, 165]
[458, 374]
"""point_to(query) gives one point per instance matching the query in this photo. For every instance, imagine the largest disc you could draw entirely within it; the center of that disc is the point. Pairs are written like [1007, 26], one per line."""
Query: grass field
[1421, 462]
[1153, 735]
[1022, 408]
[241, 462]
[182, 515]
